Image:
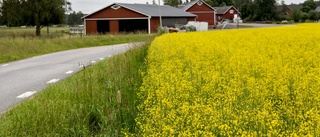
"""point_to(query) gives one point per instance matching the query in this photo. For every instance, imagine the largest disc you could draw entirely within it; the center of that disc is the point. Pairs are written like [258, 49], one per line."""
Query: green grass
[98, 101]
[15, 32]
[12, 49]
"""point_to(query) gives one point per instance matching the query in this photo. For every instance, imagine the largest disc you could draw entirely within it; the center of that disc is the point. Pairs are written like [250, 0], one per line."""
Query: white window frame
[231, 11]
[115, 7]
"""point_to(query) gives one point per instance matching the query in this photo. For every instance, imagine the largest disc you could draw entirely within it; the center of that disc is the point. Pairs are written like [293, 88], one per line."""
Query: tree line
[38, 13]
[264, 10]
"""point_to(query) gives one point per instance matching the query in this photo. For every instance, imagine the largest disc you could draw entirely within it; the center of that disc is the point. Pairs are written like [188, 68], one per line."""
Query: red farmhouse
[204, 11]
[122, 17]
[226, 12]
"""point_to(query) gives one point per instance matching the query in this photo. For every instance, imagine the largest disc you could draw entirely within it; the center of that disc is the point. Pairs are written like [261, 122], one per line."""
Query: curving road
[21, 79]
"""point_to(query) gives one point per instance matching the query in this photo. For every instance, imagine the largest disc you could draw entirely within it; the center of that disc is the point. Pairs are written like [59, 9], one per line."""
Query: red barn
[122, 17]
[204, 11]
[226, 12]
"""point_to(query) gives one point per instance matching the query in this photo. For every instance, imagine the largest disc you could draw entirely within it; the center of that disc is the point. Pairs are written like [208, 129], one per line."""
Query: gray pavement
[22, 79]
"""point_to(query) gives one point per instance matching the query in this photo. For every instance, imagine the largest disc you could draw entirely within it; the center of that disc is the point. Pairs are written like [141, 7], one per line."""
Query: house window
[199, 3]
[231, 11]
[115, 7]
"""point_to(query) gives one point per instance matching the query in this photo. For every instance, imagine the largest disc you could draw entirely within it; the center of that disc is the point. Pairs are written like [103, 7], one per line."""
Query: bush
[162, 30]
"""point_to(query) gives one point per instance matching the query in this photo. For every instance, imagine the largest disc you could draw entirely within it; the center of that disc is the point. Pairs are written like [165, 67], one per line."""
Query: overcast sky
[89, 6]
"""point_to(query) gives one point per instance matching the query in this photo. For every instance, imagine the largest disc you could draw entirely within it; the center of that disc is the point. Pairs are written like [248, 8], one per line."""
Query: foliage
[12, 12]
[217, 3]
[255, 82]
[37, 13]
[313, 15]
[173, 3]
[303, 16]
[247, 11]
[308, 5]
[259, 10]
[295, 15]
[74, 18]
[265, 10]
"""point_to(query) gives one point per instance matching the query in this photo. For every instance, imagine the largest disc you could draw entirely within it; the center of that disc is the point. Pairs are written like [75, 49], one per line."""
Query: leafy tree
[308, 5]
[173, 3]
[247, 11]
[303, 16]
[266, 10]
[34, 12]
[75, 18]
[313, 15]
[295, 15]
[216, 3]
[12, 11]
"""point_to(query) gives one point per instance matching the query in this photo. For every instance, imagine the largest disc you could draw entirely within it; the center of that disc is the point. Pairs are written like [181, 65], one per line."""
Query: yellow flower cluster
[246, 82]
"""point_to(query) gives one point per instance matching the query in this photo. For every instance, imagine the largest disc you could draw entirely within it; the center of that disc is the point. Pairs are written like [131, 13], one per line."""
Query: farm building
[121, 17]
[226, 12]
[283, 10]
[204, 11]
[318, 9]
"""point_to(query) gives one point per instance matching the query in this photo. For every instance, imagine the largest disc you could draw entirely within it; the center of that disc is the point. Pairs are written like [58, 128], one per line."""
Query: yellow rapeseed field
[247, 82]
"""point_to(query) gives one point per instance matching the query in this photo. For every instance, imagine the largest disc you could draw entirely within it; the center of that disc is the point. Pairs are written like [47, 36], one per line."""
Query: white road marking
[27, 94]
[4, 65]
[69, 72]
[101, 58]
[53, 81]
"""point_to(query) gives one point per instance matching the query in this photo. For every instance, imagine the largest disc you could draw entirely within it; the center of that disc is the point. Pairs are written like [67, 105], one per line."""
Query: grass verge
[99, 101]
[19, 48]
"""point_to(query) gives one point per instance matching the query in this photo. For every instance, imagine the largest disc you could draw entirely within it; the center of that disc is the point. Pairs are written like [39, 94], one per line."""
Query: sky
[89, 6]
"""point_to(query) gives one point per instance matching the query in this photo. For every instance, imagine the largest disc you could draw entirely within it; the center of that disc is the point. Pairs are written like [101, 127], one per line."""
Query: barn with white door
[122, 17]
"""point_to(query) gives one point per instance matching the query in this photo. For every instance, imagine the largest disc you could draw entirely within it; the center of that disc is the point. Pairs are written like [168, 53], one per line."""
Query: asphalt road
[24, 78]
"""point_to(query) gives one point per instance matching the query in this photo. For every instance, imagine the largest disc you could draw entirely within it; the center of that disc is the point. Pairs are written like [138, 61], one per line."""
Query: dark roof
[185, 7]
[224, 9]
[152, 10]
[294, 6]
[318, 9]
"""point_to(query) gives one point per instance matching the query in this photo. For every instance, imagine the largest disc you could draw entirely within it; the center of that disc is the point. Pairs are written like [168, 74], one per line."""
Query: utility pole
[160, 14]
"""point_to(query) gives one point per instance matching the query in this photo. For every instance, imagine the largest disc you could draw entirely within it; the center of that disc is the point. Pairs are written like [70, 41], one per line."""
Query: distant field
[246, 82]
[18, 43]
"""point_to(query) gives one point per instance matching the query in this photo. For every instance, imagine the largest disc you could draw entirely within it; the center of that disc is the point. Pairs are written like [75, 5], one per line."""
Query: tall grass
[20, 47]
[99, 101]
[29, 32]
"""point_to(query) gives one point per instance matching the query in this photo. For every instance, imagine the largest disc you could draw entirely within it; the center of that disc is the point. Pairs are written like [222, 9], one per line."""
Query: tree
[308, 5]
[266, 10]
[216, 3]
[34, 12]
[12, 11]
[46, 12]
[75, 18]
[173, 3]
[295, 15]
[313, 15]
[247, 11]
[303, 16]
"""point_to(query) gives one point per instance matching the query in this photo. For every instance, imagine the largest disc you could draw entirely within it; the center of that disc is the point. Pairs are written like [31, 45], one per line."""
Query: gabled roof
[294, 6]
[151, 10]
[318, 9]
[224, 9]
[190, 4]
